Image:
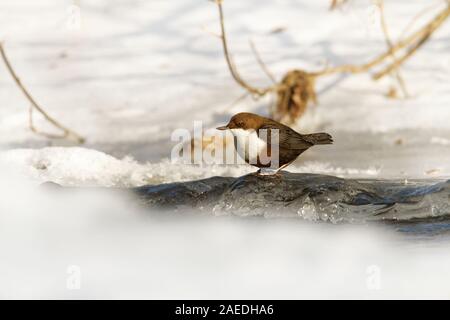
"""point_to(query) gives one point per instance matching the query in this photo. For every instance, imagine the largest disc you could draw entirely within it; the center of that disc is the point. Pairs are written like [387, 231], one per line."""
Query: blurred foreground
[87, 244]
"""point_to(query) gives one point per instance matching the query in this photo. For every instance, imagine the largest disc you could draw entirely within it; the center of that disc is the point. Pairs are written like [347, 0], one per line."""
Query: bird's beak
[222, 128]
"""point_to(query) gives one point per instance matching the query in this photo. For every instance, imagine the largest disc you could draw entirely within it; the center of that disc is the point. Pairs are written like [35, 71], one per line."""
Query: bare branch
[261, 62]
[398, 76]
[396, 64]
[67, 133]
[239, 99]
[336, 3]
[297, 88]
[428, 29]
[425, 33]
[39, 132]
[231, 66]
[417, 17]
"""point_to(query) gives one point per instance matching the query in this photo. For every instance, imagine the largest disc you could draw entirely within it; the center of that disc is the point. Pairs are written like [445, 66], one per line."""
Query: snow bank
[85, 167]
[75, 166]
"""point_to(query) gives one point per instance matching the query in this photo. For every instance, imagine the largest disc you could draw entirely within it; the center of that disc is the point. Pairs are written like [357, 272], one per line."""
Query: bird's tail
[319, 138]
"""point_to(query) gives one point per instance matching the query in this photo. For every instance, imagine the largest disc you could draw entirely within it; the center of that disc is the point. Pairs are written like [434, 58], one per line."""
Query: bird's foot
[268, 172]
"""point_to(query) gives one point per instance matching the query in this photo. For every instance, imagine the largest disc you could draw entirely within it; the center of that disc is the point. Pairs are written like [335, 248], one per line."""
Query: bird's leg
[267, 171]
[283, 166]
[272, 172]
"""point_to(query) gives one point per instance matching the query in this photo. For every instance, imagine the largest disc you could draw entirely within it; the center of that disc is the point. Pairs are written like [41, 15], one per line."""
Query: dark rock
[310, 196]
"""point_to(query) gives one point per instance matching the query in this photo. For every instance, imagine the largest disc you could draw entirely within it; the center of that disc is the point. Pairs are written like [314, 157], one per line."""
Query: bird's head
[245, 121]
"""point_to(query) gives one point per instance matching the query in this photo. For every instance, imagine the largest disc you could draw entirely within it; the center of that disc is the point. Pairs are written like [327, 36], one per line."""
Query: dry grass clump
[296, 90]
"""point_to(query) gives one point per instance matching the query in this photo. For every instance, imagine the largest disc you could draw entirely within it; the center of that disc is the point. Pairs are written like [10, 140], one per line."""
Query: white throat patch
[248, 144]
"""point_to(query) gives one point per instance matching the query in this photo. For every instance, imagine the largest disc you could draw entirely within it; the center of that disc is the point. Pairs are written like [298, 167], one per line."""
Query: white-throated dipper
[275, 145]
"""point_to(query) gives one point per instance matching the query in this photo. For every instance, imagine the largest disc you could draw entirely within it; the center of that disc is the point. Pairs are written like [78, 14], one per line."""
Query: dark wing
[289, 139]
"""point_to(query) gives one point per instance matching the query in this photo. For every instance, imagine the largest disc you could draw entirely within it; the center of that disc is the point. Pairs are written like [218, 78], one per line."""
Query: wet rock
[311, 196]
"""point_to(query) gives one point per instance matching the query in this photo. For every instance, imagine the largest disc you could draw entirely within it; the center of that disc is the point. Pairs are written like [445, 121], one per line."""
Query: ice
[327, 200]
[75, 166]
[440, 140]
[308, 196]
[230, 190]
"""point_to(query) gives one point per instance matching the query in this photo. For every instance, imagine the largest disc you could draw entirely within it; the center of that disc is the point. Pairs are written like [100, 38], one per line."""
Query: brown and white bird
[253, 131]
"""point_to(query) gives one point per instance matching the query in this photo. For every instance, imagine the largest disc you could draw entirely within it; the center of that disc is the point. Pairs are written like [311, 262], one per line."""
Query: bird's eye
[241, 124]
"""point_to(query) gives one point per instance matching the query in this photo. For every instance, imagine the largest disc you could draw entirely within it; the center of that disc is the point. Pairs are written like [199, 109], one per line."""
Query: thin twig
[38, 132]
[261, 62]
[425, 35]
[428, 28]
[297, 88]
[408, 54]
[336, 3]
[67, 133]
[231, 66]
[389, 43]
[205, 29]
[417, 17]
[239, 99]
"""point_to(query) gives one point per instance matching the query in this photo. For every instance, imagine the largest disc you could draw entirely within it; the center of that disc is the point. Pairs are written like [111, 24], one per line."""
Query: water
[307, 196]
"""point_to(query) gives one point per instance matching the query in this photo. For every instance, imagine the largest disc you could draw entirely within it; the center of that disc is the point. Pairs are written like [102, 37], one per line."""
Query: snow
[128, 75]
[77, 166]
[131, 72]
[123, 252]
